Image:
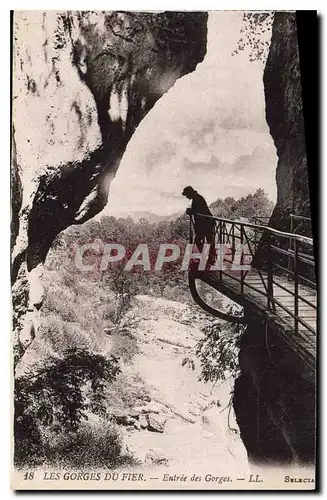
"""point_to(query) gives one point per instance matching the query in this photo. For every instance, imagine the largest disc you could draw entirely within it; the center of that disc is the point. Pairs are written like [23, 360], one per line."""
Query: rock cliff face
[274, 400]
[282, 83]
[284, 115]
[82, 83]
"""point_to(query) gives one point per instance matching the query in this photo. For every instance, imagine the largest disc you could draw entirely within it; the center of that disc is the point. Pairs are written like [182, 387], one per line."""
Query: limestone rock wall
[274, 398]
[283, 94]
[274, 401]
[82, 82]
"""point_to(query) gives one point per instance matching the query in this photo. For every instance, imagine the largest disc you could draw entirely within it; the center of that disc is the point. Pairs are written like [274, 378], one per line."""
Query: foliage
[97, 446]
[218, 352]
[52, 405]
[57, 398]
[252, 35]
[124, 286]
[248, 207]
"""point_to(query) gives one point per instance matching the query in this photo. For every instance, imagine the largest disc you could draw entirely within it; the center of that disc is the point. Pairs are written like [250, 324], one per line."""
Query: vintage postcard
[164, 300]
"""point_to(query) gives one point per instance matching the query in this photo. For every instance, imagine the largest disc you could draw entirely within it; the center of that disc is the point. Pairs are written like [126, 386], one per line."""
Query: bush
[57, 398]
[97, 446]
[124, 286]
[218, 351]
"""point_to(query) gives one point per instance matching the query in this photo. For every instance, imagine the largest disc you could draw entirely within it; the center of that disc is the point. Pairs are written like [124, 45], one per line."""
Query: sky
[208, 131]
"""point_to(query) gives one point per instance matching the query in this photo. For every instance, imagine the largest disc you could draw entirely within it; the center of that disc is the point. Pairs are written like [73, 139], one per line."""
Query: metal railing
[282, 270]
[296, 224]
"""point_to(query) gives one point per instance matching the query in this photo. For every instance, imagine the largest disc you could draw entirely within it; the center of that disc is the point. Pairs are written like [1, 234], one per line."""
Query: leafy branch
[218, 352]
[58, 398]
[252, 35]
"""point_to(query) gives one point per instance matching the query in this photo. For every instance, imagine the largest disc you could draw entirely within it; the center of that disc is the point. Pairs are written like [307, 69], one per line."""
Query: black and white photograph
[163, 258]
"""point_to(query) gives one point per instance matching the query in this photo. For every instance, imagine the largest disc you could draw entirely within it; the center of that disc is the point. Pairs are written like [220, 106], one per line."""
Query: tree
[218, 352]
[253, 35]
[256, 204]
[124, 285]
[56, 399]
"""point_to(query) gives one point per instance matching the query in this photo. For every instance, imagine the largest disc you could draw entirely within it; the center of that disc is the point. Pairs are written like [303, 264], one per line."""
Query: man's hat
[187, 190]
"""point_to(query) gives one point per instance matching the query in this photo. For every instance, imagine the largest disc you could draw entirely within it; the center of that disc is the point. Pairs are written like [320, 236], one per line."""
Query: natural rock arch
[82, 82]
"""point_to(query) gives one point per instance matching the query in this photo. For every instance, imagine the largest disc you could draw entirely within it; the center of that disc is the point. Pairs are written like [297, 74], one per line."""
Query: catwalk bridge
[278, 286]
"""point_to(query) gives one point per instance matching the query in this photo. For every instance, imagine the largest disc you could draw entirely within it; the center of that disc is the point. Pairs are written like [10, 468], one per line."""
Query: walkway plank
[255, 295]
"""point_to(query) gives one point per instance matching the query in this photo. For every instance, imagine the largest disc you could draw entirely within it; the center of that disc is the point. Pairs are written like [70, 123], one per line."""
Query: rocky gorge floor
[167, 416]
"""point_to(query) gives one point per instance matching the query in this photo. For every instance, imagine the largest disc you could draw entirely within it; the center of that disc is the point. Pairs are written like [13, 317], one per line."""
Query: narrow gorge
[80, 90]
[274, 397]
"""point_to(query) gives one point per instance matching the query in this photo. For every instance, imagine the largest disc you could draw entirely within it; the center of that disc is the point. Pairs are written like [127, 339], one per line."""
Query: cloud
[209, 130]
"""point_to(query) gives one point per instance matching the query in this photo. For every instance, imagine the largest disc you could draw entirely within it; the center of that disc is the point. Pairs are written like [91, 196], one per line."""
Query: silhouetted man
[204, 228]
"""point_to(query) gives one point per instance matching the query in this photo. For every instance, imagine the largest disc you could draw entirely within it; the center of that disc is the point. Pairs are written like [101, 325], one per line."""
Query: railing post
[233, 241]
[290, 261]
[255, 237]
[221, 259]
[270, 285]
[296, 287]
[190, 231]
[290, 246]
[241, 260]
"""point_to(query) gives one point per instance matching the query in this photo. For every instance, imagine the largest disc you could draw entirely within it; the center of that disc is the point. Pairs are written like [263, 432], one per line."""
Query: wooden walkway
[254, 301]
[280, 299]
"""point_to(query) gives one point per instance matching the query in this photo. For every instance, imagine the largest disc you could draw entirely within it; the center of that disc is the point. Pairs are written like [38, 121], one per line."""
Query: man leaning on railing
[204, 227]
